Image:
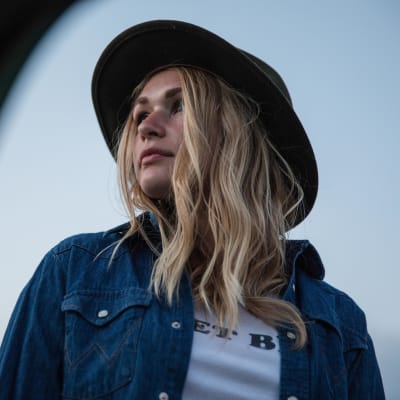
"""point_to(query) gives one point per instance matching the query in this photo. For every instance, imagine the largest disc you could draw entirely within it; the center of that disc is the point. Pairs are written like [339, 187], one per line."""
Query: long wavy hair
[232, 199]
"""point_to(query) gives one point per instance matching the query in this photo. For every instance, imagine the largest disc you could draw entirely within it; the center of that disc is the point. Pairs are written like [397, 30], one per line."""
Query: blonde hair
[232, 199]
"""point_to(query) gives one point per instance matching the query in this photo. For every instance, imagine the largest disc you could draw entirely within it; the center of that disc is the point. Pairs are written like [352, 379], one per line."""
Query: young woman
[200, 296]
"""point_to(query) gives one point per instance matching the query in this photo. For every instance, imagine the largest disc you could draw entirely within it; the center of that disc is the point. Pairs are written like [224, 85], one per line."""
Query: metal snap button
[163, 396]
[176, 325]
[292, 336]
[102, 313]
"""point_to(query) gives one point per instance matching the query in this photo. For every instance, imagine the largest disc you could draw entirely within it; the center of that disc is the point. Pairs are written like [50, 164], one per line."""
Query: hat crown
[271, 73]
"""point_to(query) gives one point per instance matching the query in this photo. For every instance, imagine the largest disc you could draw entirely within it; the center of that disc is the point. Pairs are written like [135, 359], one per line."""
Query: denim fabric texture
[87, 329]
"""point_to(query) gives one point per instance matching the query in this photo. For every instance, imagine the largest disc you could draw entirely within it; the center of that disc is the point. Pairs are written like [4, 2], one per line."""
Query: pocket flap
[99, 307]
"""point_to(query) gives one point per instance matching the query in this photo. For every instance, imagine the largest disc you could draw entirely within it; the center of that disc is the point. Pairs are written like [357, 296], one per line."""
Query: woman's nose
[153, 125]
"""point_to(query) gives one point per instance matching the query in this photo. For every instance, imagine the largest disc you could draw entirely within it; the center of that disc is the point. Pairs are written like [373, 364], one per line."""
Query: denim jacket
[85, 328]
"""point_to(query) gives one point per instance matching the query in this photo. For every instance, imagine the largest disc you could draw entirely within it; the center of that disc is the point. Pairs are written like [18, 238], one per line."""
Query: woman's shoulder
[93, 242]
[320, 301]
[97, 260]
[71, 257]
[337, 308]
[100, 243]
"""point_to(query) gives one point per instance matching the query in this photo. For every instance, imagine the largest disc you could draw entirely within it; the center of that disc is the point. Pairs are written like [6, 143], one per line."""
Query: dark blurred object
[22, 24]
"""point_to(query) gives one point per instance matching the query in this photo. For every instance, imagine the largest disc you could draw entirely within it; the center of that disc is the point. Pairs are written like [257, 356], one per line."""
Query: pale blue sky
[341, 62]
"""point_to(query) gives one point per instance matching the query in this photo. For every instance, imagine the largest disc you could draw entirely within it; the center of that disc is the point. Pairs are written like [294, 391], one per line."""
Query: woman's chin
[157, 191]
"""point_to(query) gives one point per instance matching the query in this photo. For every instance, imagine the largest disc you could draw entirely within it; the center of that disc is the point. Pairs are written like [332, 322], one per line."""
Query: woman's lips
[150, 155]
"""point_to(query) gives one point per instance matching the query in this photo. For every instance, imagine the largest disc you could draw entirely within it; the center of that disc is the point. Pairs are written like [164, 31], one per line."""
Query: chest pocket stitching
[81, 309]
[98, 349]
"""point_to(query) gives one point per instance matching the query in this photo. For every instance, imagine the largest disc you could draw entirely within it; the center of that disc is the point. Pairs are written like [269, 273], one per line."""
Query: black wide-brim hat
[152, 45]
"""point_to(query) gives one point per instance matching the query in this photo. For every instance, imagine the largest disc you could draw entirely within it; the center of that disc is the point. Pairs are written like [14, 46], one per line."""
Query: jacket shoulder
[349, 318]
[94, 243]
[320, 301]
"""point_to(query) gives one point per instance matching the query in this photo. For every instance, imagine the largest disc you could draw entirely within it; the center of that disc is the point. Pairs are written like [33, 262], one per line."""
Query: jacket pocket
[102, 331]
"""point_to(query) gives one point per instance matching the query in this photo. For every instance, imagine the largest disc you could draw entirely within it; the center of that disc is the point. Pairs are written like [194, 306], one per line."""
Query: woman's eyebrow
[172, 92]
[168, 94]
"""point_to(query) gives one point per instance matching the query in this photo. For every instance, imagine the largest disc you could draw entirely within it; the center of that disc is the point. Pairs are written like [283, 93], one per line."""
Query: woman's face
[158, 115]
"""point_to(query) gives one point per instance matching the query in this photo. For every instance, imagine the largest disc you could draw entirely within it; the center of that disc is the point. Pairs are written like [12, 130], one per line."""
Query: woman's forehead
[165, 83]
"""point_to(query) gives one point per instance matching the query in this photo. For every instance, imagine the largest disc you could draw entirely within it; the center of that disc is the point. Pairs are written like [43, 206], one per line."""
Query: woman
[201, 295]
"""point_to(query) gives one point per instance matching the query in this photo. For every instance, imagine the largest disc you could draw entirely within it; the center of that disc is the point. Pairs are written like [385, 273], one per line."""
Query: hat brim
[129, 58]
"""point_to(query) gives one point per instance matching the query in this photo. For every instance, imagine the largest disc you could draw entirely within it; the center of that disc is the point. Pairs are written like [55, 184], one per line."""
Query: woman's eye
[177, 106]
[140, 117]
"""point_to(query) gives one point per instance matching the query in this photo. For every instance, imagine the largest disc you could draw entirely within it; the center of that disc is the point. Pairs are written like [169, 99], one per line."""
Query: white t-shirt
[246, 366]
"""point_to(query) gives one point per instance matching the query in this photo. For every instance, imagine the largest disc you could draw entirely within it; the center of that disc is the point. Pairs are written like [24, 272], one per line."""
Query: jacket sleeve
[365, 381]
[31, 354]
